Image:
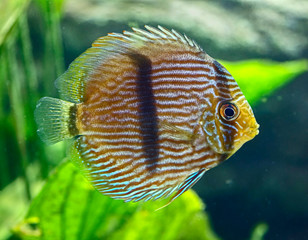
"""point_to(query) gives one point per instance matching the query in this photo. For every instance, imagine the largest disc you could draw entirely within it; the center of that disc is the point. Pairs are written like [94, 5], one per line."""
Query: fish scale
[150, 113]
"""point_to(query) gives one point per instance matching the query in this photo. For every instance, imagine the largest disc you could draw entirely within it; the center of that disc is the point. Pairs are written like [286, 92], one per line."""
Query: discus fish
[149, 113]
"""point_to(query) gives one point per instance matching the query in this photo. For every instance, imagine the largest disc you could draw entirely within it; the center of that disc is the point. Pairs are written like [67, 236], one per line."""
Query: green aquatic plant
[260, 78]
[19, 86]
[69, 208]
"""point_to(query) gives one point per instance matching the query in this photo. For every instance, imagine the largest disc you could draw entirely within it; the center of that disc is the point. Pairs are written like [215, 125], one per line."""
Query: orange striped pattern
[148, 114]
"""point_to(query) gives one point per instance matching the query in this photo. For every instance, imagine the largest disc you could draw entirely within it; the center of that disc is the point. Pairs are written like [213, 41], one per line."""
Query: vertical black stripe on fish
[147, 110]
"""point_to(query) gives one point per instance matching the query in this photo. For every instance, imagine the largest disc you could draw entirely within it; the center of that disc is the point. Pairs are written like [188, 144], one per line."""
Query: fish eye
[229, 111]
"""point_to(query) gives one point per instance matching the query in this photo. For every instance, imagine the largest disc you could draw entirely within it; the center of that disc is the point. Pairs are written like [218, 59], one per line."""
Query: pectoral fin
[176, 132]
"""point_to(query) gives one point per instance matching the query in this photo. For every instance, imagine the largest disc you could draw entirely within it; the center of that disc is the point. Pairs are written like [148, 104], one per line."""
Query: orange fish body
[150, 112]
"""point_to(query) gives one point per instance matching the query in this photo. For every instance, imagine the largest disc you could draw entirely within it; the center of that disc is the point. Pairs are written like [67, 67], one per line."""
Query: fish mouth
[254, 131]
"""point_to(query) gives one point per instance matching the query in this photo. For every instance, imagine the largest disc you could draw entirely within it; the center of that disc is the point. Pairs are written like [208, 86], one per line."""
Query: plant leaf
[260, 78]
[9, 13]
[69, 208]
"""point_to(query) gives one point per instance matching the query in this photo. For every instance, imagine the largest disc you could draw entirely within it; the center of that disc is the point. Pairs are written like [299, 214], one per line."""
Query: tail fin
[56, 119]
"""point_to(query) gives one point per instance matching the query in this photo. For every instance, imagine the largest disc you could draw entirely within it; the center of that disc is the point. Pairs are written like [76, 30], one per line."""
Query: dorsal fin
[71, 84]
[162, 34]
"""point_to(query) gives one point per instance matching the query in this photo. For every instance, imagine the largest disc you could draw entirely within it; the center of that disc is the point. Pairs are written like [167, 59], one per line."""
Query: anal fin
[187, 184]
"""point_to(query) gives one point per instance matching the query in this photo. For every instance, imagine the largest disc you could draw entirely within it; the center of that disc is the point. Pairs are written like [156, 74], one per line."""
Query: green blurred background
[260, 193]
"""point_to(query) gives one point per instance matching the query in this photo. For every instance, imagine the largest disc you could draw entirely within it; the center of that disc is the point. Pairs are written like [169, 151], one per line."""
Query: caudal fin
[56, 119]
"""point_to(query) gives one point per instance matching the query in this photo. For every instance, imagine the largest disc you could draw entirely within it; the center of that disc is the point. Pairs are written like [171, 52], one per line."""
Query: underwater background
[259, 193]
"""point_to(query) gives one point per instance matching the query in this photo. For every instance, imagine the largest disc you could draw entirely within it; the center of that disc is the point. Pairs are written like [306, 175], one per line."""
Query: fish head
[229, 122]
[237, 123]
